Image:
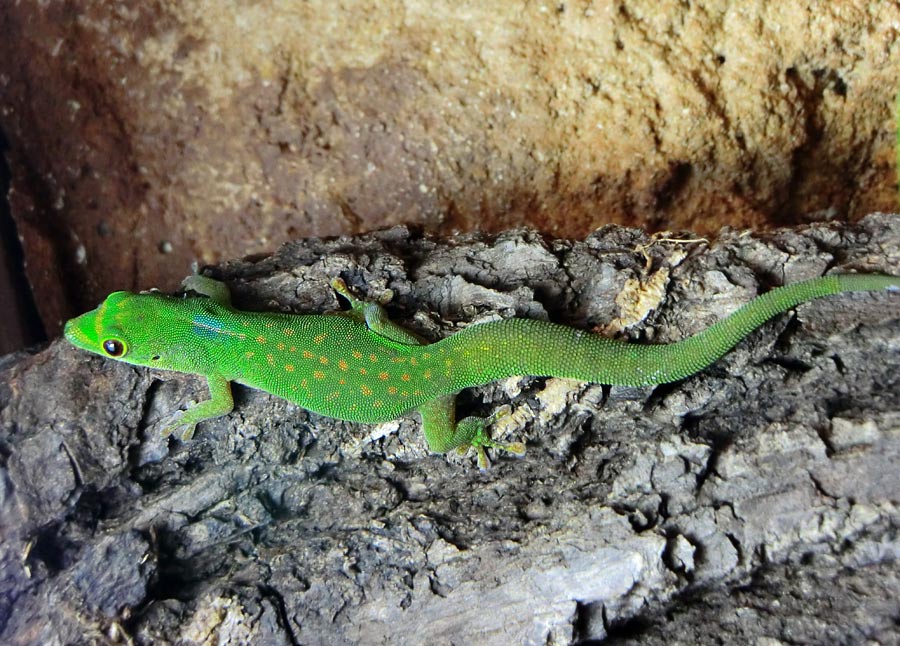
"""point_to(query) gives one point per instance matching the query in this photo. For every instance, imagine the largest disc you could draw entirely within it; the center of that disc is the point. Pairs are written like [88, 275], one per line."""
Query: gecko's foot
[210, 287]
[338, 285]
[481, 440]
[198, 283]
[195, 283]
[183, 432]
[482, 443]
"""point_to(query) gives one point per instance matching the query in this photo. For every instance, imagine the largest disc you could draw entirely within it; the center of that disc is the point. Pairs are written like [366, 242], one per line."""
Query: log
[757, 499]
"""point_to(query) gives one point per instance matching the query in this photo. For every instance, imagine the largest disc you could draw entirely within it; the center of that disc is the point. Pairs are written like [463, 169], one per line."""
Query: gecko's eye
[114, 347]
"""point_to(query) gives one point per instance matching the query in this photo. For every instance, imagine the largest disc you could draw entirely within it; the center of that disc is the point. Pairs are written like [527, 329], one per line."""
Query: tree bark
[755, 499]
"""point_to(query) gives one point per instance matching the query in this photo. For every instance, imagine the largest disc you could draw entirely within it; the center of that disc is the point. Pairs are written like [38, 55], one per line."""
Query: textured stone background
[756, 502]
[144, 135]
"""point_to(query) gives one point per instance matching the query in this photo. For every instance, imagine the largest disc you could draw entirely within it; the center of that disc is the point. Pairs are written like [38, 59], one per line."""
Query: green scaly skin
[361, 367]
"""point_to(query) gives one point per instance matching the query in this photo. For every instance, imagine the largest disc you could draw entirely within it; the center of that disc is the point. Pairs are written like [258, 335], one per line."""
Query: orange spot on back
[383, 376]
[404, 377]
[356, 354]
[307, 354]
[319, 338]
[373, 358]
[318, 374]
[363, 371]
[427, 374]
[377, 403]
[249, 355]
[288, 331]
[289, 367]
[365, 390]
[270, 359]
[342, 364]
[280, 346]
[323, 360]
[392, 390]
[413, 362]
[261, 339]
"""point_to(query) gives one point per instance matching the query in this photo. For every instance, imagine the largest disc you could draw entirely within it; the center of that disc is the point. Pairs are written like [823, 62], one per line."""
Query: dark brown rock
[692, 507]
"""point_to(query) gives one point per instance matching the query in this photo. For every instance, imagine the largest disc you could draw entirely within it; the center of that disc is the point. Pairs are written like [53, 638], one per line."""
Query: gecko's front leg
[219, 403]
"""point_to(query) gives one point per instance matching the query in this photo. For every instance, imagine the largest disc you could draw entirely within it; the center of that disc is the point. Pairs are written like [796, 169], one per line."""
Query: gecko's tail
[704, 348]
[483, 353]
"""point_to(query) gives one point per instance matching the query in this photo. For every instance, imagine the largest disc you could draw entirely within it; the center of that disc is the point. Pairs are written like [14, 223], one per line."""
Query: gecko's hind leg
[443, 433]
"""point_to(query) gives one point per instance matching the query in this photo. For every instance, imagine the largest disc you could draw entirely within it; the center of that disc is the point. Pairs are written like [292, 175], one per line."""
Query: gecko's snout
[69, 330]
[73, 333]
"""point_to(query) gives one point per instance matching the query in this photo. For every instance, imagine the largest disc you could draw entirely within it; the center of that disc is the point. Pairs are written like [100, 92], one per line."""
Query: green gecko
[357, 365]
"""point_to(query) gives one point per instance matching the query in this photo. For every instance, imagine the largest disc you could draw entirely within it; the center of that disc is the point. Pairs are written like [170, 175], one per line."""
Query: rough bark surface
[145, 134]
[758, 499]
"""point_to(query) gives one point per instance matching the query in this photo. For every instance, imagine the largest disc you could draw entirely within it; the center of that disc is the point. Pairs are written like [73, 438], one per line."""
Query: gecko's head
[106, 330]
[134, 328]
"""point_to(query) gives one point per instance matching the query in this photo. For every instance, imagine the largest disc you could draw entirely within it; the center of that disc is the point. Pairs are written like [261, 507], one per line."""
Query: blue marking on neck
[207, 326]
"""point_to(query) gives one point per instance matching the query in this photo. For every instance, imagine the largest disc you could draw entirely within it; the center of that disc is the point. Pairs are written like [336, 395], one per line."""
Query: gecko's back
[330, 364]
